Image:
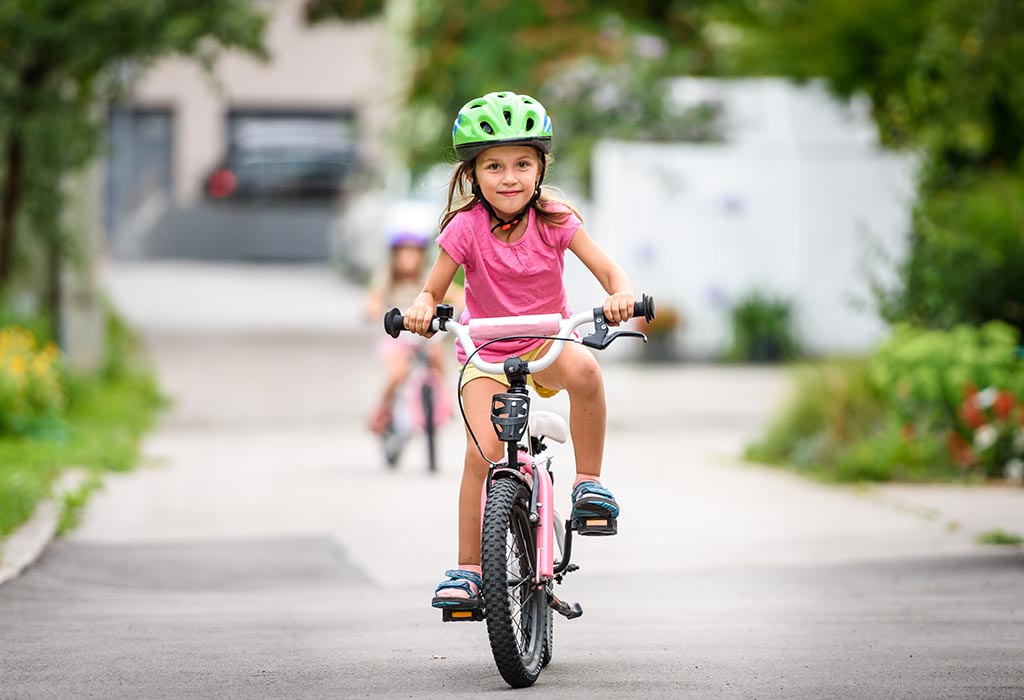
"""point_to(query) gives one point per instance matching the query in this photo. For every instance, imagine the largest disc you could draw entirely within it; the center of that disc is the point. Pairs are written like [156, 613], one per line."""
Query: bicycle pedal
[462, 614]
[571, 612]
[594, 525]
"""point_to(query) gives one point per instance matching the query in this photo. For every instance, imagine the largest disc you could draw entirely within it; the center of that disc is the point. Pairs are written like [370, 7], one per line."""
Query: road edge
[23, 547]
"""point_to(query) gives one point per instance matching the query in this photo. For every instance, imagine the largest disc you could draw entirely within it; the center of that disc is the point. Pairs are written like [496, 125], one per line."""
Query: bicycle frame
[560, 331]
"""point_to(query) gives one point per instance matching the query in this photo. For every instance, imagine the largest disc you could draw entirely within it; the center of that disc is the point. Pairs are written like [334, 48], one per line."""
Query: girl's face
[407, 261]
[508, 176]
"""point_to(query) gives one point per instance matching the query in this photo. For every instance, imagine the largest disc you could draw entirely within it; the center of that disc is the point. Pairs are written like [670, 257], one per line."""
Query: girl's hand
[419, 316]
[619, 307]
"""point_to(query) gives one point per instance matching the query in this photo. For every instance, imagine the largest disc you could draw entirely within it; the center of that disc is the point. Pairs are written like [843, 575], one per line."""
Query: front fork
[542, 511]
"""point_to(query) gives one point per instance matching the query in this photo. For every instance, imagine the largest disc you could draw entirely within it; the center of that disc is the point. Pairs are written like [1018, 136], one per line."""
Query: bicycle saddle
[549, 425]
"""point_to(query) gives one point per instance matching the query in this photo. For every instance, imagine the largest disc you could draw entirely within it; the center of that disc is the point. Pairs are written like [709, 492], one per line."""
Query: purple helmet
[405, 237]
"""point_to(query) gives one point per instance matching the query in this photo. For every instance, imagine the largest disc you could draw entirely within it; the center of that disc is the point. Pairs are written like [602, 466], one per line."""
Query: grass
[1000, 537]
[101, 430]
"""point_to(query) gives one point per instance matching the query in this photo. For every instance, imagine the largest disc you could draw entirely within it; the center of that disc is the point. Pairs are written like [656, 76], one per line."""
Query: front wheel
[517, 611]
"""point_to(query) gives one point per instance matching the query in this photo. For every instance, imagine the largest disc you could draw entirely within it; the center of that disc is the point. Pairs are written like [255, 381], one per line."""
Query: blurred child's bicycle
[420, 406]
[521, 529]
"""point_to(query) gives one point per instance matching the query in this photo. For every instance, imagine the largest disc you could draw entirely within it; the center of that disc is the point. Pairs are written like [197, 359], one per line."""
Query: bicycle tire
[427, 398]
[548, 648]
[516, 609]
[392, 445]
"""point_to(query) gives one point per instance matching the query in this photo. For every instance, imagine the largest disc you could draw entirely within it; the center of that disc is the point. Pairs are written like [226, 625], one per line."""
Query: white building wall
[796, 203]
[334, 65]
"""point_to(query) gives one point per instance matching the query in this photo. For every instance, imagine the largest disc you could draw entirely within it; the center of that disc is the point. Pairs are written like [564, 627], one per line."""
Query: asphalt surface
[264, 551]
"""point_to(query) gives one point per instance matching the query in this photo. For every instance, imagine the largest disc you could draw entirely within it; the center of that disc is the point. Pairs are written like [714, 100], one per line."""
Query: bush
[834, 406]
[762, 330]
[911, 412]
[57, 418]
[966, 260]
[31, 385]
[931, 379]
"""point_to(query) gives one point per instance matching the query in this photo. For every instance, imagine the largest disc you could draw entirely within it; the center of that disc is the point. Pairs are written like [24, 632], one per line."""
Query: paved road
[264, 552]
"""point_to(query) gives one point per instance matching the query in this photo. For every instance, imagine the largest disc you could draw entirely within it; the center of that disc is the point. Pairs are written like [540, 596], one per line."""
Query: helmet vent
[529, 124]
[487, 127]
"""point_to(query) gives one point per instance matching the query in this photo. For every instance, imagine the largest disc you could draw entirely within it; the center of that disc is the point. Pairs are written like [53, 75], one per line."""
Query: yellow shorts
[472, 373]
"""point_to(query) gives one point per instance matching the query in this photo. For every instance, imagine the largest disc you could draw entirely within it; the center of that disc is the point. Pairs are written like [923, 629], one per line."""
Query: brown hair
[461, 196]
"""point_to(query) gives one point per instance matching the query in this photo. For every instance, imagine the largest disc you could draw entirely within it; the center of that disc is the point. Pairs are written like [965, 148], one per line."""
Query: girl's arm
[618, 307]
[419, 315]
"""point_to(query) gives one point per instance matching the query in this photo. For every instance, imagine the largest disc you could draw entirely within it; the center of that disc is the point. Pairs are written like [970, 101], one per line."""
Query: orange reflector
[464, 613]
[597, 523]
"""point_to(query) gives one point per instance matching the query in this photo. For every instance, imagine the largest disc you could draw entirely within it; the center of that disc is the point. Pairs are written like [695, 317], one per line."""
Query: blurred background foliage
[943, 396]
[597, 65]
[60, 64]
[941, 75]
[943, 78]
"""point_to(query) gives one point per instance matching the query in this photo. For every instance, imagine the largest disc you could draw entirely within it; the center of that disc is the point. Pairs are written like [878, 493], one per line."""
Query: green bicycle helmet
[500, 119]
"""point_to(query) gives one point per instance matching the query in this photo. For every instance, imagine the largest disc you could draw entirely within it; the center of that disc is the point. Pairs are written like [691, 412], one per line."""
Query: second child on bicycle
[402, 276]
[510, 234]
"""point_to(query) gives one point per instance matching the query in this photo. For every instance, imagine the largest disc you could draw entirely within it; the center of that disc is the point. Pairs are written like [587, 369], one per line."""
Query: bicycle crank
[562, 608]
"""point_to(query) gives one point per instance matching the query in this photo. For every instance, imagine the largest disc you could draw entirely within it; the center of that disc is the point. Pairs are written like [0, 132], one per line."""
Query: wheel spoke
[520, 579]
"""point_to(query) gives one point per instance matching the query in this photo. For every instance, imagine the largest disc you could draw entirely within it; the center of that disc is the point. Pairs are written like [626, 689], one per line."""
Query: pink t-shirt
[509, 280]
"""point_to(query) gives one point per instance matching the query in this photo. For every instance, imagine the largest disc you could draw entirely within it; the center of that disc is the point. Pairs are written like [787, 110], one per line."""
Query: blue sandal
[458, 580]
[590, 499]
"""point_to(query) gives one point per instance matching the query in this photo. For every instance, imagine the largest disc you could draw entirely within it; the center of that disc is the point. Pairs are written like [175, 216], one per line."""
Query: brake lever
[600, 338]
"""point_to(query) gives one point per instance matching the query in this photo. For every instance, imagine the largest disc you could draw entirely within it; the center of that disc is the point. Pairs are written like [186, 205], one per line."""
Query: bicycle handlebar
[551, 325]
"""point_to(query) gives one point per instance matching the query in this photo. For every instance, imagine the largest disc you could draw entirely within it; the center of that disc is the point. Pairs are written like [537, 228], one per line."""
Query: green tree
[57, 66]
[943, 77]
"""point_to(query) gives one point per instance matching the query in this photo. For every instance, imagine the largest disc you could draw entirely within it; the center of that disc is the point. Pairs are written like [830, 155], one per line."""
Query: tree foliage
[596, 65]
[58, 61]
[943, 76]
[347, 10]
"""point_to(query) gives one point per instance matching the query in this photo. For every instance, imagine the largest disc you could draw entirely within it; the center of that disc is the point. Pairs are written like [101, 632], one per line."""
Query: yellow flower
[41, 365]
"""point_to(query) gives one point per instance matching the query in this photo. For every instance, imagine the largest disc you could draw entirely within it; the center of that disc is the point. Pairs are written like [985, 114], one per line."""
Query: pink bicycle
[521, 530]
[421, 406]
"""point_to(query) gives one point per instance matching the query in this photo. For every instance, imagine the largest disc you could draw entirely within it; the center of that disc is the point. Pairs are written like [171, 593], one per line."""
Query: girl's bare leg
[476, 398]
[577, 372]
[396, 370]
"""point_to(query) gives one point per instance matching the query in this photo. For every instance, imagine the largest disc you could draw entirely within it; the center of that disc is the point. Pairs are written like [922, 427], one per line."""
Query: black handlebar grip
[645, 308]
[394, 323]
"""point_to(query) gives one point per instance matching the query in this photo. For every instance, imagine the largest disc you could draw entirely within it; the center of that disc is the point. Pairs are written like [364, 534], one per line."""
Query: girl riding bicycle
[403, 277]
[510, 234]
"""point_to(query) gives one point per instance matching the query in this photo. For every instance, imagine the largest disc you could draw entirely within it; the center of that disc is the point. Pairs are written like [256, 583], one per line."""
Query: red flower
[1003, 404]
[960, 450]
[971, 414]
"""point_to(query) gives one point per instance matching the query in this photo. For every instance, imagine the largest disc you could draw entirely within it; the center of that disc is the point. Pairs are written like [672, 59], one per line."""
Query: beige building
[181, 122]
